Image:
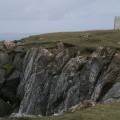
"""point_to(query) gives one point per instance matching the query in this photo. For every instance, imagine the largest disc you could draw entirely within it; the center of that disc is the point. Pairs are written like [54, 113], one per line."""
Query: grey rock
[107, 78]
[113, 93]
[3, 57]
[8, 91]
[19, 49]
[18, 62]
[65, 86]
[40, 68]
[15, 75]
[49, 85]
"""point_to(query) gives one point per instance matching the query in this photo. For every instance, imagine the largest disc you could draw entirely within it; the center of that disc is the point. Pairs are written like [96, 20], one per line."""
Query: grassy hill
[87, 39]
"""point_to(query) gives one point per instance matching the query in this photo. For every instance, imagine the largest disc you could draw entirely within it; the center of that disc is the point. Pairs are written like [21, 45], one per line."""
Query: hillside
[87, 39]
[51, 73]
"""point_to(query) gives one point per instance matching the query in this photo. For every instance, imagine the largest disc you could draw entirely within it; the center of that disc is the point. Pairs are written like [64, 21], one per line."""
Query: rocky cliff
[40, 81]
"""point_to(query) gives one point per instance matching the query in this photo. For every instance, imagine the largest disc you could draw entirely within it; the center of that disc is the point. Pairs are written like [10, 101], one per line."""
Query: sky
[42, 16]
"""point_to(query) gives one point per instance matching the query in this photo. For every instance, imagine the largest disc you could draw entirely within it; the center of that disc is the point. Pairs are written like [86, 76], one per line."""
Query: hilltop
[86, 39]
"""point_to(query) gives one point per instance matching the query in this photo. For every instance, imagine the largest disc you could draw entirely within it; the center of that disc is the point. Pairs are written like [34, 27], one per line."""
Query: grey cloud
[38, 9]
[57, 15]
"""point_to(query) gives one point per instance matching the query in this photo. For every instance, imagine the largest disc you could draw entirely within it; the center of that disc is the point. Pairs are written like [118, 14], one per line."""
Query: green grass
[93, 40]
[99, 112]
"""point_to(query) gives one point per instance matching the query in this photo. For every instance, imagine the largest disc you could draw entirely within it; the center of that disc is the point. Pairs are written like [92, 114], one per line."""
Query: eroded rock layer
[44, 82]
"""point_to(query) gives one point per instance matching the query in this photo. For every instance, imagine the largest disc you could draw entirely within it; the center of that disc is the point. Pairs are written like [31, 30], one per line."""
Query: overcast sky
[40, 16]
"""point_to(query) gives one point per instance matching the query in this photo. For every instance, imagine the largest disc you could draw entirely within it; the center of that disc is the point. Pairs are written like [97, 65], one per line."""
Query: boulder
[9, 45]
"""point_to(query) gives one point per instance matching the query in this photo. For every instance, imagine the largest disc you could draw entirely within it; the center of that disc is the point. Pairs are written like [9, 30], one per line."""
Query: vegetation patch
[99, 112]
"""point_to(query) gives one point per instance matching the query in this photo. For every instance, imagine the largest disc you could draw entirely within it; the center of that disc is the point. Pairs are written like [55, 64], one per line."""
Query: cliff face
[44, 82]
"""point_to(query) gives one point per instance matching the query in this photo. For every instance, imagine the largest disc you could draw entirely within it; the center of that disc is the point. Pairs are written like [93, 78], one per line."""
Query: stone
[107, 78]
[113, 94]
[14, 76]
[50, 82]
[3, 58]
[82, 105]
[19, 49]
[9, 90]
[18, 61]
[9, 45]
[50, 86]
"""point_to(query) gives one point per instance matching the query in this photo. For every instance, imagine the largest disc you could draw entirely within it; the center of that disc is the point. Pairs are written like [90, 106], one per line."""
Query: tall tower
[117, 23]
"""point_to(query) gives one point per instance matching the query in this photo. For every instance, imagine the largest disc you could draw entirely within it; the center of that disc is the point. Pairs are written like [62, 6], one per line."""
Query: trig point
[117, 23]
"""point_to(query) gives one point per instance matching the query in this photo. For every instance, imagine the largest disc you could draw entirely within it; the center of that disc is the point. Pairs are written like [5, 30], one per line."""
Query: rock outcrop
[45, 82]
[10, 69]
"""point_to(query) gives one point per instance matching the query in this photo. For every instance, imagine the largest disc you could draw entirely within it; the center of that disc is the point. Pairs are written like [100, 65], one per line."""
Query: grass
[99, 112]
[88, 39]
